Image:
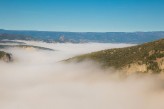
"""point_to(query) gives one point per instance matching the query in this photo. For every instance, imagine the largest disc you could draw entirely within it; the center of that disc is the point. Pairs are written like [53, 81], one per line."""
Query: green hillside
[149, 54]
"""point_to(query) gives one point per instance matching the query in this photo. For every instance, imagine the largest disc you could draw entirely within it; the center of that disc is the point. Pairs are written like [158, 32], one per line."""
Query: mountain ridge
[78, 37]
[147, 57]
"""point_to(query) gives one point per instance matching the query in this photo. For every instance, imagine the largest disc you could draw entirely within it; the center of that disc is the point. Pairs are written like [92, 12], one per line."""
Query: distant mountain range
[80, 37]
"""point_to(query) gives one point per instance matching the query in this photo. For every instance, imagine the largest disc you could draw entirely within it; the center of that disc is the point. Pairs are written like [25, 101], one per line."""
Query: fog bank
[37, 80]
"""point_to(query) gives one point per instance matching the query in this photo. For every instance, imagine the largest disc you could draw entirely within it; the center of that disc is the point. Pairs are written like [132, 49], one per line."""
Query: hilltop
[7, 57]
[147, 57]
[25, 47]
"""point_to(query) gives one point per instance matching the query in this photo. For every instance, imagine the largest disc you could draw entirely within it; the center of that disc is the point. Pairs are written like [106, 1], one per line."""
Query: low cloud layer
[37, 80]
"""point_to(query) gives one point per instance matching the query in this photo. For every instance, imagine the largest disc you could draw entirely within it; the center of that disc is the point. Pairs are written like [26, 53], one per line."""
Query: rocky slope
[148, 57]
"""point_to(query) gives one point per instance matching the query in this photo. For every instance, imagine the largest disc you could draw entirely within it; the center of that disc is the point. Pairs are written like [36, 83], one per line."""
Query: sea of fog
[37, 79]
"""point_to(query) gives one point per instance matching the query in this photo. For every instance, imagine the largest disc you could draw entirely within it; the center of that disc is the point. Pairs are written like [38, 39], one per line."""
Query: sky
[82, 15]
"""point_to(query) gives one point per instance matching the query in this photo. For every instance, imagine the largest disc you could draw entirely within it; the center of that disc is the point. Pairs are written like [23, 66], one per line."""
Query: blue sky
[82, 15]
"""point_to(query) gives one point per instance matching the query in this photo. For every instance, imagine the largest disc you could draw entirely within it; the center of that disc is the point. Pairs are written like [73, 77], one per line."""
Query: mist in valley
[37, 79]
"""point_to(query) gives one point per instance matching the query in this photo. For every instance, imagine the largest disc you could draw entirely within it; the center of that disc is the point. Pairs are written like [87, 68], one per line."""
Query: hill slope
[148, 57]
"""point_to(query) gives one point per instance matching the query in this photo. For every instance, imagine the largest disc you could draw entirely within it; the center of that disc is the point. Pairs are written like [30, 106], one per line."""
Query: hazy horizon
[77, 31]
